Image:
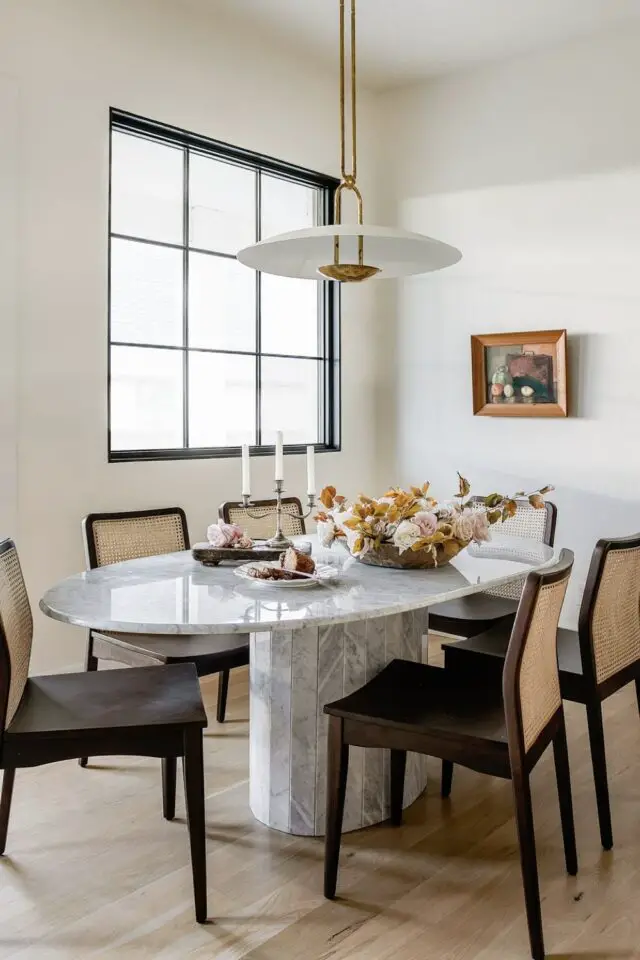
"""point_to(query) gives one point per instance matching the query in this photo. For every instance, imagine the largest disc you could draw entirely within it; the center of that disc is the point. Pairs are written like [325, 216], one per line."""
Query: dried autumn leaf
[327, 497]
[339, 500]
[492, 500]
[425, 488]
[536, 501]
[322, 517]
[494, 516]
[547, 489]
[464, 487]
[358, 544]
[509, 509]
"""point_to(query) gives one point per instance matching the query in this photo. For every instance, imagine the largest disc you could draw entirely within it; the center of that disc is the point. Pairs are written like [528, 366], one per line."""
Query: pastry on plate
[296, 561]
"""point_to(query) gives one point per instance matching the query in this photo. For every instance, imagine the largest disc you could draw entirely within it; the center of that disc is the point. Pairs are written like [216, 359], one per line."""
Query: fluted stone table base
[294, 673]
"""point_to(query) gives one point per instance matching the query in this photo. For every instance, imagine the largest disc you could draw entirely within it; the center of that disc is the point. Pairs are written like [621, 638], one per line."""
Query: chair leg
[90, 664]
[599, 762]
[169, 766]
[5, 805]
[528, 863]
[337, 768]
[194, 797]
[223, 687]
[563, 780]
[398, 766]
[447, 778]
[638, 692]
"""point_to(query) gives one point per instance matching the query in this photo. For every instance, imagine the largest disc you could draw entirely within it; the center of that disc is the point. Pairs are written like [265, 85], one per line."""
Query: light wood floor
[92, 870]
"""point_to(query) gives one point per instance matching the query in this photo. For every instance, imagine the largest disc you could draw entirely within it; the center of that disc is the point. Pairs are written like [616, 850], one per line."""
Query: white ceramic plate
[323, 574]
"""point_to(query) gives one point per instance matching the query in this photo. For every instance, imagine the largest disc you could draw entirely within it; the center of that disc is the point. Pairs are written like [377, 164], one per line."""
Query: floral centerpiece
[409, 528]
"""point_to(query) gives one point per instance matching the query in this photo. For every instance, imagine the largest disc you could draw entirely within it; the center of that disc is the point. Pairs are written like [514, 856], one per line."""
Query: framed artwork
[520, 374]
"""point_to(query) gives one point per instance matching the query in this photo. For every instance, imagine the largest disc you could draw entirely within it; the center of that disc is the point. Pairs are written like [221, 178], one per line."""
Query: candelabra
[278, 540]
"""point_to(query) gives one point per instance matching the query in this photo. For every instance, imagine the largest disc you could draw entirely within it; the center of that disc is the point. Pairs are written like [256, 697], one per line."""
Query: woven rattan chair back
[609, 624]
[114, 537]
[265, 510]
[530, 681]
[535, 523]
[16, 632]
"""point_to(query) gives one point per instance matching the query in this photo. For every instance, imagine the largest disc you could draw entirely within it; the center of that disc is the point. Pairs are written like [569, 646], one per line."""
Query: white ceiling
[400, 41]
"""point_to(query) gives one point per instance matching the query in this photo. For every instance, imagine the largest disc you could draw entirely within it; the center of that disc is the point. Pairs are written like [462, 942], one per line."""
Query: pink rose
[426, 522]
[480, 526]
[222, 534]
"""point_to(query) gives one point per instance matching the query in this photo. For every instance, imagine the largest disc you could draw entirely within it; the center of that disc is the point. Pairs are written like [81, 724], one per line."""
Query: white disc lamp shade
[394, 252]
[348, 253]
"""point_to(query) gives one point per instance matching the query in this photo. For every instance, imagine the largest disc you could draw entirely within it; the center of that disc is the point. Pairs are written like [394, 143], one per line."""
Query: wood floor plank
[92, 870]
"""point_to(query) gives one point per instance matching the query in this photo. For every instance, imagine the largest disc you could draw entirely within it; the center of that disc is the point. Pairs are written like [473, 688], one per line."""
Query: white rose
[406, 535]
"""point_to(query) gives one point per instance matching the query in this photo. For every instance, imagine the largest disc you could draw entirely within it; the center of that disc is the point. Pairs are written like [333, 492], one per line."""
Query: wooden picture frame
[520, 374]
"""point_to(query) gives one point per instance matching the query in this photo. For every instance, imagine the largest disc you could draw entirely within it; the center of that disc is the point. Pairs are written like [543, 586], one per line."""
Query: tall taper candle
[311, 471]
[279, 456]
[246, 471]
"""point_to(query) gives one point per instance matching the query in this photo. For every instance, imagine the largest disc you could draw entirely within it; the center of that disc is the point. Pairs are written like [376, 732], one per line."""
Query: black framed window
[204, 353]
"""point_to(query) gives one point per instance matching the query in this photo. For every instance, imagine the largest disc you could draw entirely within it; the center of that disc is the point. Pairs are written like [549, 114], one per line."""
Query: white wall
[8, 320]
[70, 61]
[532, 168]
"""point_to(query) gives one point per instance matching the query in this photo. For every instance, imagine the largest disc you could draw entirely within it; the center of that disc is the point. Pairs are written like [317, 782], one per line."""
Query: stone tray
[211, 556]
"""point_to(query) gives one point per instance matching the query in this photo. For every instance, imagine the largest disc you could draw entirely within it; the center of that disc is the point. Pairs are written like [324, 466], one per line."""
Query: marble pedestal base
[293, 675]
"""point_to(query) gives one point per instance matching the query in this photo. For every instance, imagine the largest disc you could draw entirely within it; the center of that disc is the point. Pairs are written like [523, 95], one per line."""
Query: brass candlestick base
[278, 540]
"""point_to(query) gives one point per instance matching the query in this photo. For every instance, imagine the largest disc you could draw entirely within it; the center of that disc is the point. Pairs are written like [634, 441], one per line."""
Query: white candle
[311, 471]
[246, 471]
[279, 456]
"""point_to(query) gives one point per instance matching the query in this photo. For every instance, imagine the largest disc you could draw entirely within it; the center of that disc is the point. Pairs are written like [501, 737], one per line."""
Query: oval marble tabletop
[174, 594]
[308, 646]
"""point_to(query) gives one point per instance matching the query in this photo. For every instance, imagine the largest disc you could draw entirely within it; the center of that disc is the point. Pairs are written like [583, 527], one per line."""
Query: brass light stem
[349, 272]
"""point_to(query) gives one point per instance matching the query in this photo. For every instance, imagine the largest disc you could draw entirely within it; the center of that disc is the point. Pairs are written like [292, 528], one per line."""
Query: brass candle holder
[278, 540]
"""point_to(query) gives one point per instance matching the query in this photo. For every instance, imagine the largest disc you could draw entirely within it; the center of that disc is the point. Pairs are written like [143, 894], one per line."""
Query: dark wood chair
[469, 616]
[263, 526]
[499, 728]
[145, 712]
[114, 537]
[595, 661]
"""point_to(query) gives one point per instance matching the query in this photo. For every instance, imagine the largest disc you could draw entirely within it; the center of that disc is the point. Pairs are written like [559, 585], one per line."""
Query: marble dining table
[308, 646]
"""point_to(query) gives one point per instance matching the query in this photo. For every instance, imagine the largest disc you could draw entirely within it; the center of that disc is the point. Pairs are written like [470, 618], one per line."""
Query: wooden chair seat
[471, 615]
[210, 653]
[67, 704]
[431, 705]
[485, 653]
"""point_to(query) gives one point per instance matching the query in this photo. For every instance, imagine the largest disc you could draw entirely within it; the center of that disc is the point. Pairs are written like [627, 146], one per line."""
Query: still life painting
[520, 374]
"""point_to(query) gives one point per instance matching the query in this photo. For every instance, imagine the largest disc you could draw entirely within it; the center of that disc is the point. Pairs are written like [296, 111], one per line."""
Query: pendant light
[348, 252]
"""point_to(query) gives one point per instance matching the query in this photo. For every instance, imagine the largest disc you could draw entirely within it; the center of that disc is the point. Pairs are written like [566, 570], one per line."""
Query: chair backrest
[530, 680]
[609, 622]
[113, 537]
[16, 633]
[535, 523]
[265, 511]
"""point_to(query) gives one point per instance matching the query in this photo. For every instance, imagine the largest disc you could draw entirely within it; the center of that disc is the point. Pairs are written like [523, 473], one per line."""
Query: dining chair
[595, 661]
[471, 615]
[499, 728]
[263, 526]
[130, 535]
[147, 712]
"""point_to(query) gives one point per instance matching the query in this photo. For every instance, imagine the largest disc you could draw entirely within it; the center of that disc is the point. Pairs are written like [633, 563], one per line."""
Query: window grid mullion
[258, 315]
[185, 303]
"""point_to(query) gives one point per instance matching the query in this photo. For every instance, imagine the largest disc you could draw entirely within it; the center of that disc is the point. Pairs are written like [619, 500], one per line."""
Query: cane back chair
[260, 526]
[596, 661]
[471, 615]
[499, 728]
[148, 711]
[116, 537]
